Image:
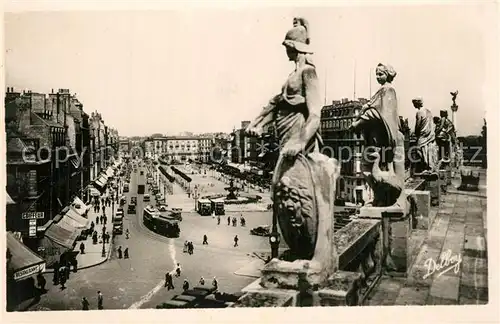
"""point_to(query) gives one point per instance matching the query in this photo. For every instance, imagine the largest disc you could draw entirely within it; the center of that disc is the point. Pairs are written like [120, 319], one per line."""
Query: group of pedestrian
[100, 301]
[233, 220]
[188, 247]
[61, 272]
[102, 218]
[169, 282]
[122, 254]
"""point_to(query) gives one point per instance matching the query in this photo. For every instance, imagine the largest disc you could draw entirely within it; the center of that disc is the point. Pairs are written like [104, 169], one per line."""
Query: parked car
[262, 230]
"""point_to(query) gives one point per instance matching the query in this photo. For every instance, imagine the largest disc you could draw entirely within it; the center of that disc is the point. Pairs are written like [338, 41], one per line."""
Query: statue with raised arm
[303, 185]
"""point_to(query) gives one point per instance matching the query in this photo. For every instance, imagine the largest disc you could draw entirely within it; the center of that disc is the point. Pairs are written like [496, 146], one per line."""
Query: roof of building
[47, 122]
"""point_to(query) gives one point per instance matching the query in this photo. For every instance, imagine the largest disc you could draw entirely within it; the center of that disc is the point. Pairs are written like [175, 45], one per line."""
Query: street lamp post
[274, 238]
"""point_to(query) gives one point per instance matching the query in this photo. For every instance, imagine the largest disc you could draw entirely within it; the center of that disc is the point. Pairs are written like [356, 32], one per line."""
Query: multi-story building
[245, 149]
[181, 148]
[148, 148]
[42, 162]
[124, 145]
[346, 146]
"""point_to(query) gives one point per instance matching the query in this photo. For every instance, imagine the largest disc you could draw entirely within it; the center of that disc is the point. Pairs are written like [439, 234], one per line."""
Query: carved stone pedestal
[299, 275]
[423, 218]
[267, 298]
[396, 233]
[343, 290]
[432, 184]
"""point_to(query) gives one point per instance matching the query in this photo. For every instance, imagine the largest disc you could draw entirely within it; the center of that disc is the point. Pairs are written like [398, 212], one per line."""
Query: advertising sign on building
[32, 227]
[33, 215]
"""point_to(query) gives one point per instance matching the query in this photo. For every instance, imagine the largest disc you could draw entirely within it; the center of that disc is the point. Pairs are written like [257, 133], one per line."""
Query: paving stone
[474, 280]
[417, 277]
[412, 296]
[445, 211]
[469, 301]
[445, 287]
[473, 230]
[440, 301]
[474, 265]
[477, 293]
[439, 227]
[386, 292]
[475, 246]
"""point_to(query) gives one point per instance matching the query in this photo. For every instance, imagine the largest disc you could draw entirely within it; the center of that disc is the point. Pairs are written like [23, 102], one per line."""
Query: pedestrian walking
[103, 209]
[55, 278]
[105, 219]
[97, 218]
[102, 219]
[41, 281]
[125, 253]
[236, 240]
[119, 252]
[100, 300]
[127, 234]
[178, 270]
[202, 281]
[75, 265]
[185, 285]
[191, 247]
[228, 220]
[62, 277]
[186, 247]
[234, 221]
[218, 220]
[215, 284]
[92, 225]
[85, 304]
[67, 270]
[205, 240]
[82, 248]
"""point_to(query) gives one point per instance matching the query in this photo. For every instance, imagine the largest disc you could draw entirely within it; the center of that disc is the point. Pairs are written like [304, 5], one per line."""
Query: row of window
[338, 123]
[340, 112]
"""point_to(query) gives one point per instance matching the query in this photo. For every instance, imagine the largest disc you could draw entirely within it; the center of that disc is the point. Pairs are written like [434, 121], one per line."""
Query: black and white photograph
[249, 157]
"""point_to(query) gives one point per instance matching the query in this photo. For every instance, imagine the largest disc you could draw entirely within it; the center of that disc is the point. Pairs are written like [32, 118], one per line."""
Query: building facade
[346, 146]
[45, 140]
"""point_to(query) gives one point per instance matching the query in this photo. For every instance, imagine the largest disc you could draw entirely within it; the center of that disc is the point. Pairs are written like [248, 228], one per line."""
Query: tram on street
[204, 207]
[154, 221]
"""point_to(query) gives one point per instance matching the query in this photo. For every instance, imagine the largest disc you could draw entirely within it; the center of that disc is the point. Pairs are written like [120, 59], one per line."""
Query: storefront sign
[32, 227]
[33, 215]
[25, 273]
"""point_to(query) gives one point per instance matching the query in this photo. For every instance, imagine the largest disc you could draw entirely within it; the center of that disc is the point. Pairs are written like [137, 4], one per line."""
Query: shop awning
[80, 206]
[23, 262]
[62, 234]
[110, 172]
[8, 199]
[101, 182]
[79, 221]
[94, 192]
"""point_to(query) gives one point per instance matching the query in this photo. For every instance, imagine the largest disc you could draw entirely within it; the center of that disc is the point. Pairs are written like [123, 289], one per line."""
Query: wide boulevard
[138, 282]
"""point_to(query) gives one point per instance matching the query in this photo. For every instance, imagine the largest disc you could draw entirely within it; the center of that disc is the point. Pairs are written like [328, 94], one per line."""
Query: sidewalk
[93, 252]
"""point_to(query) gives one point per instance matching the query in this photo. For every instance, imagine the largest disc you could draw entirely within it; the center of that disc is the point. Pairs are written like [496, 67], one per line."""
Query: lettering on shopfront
[28, 271]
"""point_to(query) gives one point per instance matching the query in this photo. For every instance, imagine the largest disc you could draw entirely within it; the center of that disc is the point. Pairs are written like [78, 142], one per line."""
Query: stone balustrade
[378, 241]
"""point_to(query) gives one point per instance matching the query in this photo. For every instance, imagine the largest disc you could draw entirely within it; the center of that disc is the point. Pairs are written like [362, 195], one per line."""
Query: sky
[206, 70]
